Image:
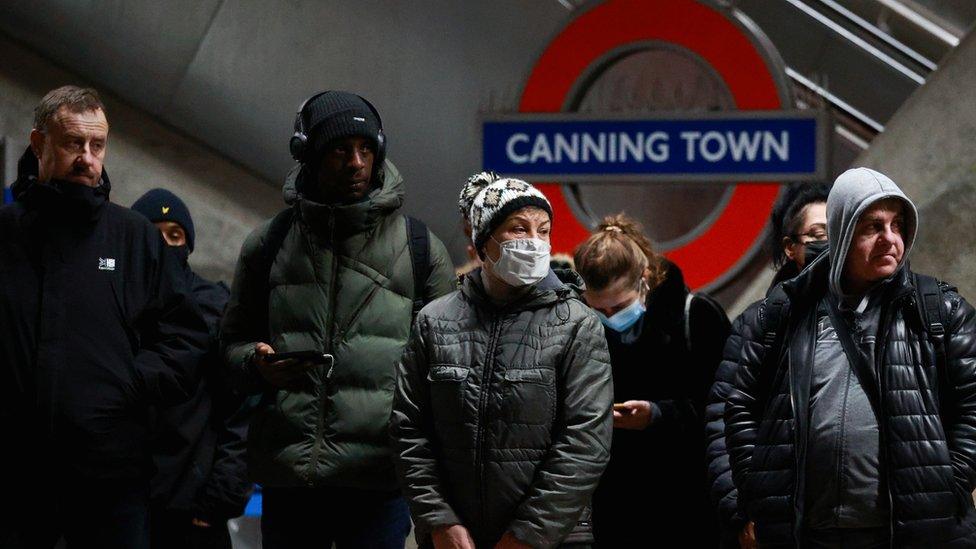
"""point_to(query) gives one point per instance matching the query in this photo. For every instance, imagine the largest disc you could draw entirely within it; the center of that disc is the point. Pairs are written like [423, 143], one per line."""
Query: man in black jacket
[96, 329]
[198, 446]
[859, 427]
[797, 235]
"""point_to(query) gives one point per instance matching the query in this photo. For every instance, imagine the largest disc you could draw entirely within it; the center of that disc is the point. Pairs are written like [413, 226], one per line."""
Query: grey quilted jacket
[502, 416]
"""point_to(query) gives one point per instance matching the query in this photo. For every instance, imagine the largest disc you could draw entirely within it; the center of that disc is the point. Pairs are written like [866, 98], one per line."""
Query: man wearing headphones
[337, 276]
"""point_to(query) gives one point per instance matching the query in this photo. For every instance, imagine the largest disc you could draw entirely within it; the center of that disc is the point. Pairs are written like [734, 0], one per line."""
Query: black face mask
[183, 253]
[811, 250]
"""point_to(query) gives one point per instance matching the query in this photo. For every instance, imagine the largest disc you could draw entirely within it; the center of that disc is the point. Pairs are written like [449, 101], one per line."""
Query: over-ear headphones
[299, 146]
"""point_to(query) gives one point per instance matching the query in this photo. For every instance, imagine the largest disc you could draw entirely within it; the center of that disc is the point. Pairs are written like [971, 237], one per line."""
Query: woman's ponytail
[618, 249]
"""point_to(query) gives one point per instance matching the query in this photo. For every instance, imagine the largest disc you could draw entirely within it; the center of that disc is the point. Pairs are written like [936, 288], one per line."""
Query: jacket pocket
[529, 396]
[447, 383]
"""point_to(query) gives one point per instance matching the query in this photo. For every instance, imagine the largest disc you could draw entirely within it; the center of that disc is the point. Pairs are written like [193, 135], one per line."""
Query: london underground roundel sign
[750, 71]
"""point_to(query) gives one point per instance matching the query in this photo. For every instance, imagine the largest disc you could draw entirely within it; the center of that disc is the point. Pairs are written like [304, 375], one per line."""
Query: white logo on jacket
[106, 263]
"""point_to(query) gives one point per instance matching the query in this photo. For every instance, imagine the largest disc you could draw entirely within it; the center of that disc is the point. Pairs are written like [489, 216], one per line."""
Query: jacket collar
[559, 285]
[812, 282]
[64, 199]
[347, 219]
[666, 302]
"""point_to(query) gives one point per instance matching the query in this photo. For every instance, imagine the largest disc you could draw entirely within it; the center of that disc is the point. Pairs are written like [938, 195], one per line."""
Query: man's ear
[37, 139]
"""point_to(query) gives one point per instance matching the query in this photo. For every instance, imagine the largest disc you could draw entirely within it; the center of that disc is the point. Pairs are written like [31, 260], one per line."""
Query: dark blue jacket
[199, 446]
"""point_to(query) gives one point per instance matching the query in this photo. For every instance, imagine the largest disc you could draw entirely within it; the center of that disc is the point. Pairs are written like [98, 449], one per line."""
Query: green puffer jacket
[341, 283]
[502, 417]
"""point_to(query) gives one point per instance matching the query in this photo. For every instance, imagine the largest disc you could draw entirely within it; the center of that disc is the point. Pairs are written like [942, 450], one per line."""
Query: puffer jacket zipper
[323, 387]
[799, 460]
[481, 447]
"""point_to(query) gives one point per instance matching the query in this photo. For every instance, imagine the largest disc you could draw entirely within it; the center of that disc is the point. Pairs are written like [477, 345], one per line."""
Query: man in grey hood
[851, 422]
[863, 198]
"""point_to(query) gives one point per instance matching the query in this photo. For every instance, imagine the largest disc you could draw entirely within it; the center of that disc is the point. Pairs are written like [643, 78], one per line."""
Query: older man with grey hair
[97, 331]
[852, 421]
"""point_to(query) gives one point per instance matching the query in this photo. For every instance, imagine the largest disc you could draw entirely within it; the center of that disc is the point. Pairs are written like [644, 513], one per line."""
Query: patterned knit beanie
[499, 200]
[472, 187]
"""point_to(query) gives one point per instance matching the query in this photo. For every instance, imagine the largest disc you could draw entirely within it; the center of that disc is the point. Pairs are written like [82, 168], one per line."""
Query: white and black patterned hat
[472, 187]
[497, 201]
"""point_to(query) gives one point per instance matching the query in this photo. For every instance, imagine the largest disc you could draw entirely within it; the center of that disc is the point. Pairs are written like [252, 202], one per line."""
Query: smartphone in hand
[314, 357]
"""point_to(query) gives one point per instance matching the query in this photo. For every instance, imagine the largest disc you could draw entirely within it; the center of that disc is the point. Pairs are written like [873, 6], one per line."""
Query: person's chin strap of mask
[522, 261]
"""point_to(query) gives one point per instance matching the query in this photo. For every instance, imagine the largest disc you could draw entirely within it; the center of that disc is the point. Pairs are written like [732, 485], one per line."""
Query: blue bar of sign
[738, 146]
[7, 196]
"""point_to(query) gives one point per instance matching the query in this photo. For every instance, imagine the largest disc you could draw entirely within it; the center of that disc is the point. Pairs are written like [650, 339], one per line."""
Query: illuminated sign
[712, 147]
[732, 50]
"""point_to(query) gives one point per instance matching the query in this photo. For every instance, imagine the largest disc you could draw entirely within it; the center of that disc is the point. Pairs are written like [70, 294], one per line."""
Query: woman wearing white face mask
[502, 416]
[665, 344]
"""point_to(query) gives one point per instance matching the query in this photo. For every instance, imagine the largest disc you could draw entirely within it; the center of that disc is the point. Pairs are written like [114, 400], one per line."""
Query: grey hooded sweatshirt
[844, 471]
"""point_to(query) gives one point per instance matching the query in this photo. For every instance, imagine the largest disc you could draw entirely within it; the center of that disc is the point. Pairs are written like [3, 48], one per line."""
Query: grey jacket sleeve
[565, 481]
[961, 369]
[411, 430]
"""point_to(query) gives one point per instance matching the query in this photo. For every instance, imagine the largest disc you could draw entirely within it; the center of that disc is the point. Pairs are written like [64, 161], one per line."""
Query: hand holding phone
[288, 370]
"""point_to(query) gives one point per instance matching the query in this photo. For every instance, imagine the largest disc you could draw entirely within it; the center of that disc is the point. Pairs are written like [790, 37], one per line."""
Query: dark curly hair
[787, 215]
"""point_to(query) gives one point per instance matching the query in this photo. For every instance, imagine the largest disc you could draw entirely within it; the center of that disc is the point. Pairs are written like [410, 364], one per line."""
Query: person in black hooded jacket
[855, 425]
[797, 235]
[665, 344]
[97, 328]
[199, 446]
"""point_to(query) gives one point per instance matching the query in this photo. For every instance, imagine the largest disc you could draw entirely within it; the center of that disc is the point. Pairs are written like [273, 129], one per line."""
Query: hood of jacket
[558, 285]
[853, 192]
[669, 295]
[71, 200]
[385, 198]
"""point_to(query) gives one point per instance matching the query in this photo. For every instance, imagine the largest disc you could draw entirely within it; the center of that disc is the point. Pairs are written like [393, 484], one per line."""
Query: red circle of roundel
[727, 49]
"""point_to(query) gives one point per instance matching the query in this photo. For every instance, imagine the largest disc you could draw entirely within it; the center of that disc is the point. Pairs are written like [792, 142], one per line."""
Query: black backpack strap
[273, 240]
[773, 315]
[931, 311]
[418, 239]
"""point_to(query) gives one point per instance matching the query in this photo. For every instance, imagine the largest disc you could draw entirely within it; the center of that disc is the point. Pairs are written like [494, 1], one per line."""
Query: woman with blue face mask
[501, 420]
[665, 344]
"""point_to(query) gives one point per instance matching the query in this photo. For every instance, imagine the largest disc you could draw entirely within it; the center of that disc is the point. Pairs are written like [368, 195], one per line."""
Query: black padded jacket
[928, 424]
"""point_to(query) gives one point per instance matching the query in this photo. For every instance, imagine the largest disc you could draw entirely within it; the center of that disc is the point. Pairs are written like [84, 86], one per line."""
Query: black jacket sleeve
[172, 334]
[709, 332]
[706, 330]
[961, 370]
[743, 406]
[227, 488]
[723, 492]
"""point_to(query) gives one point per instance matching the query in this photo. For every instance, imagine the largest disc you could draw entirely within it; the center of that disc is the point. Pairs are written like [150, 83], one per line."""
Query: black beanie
[338, 114]
[162, 205]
